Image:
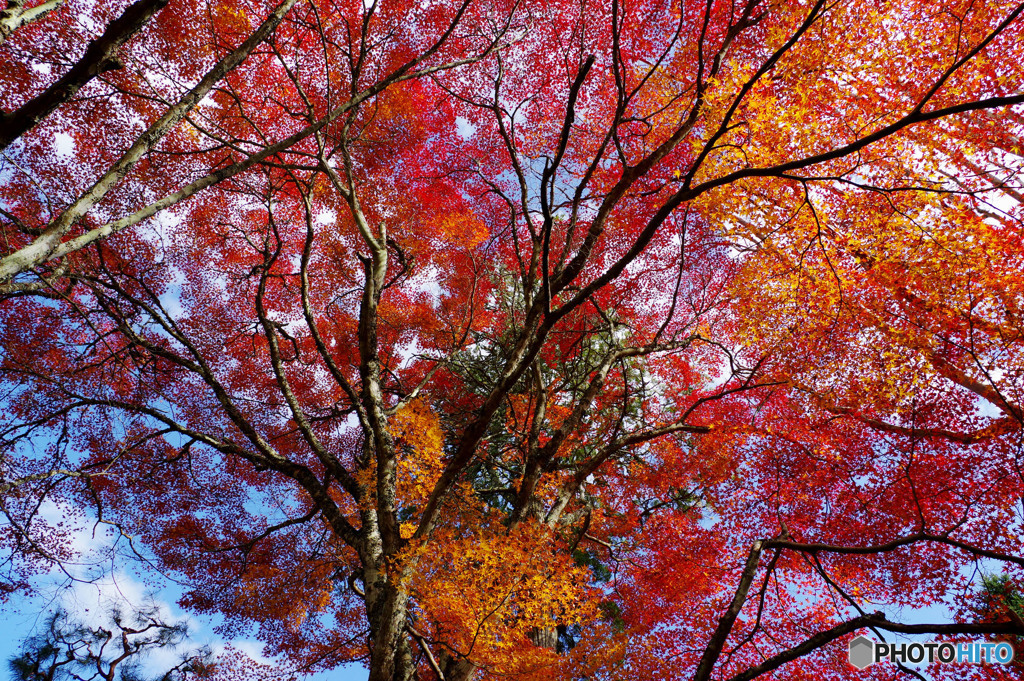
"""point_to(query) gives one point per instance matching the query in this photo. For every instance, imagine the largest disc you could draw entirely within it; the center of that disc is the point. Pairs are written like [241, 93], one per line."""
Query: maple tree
[517, 339]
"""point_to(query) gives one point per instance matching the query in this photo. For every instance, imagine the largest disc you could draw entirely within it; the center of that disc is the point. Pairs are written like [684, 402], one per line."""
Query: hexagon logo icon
[862, 652]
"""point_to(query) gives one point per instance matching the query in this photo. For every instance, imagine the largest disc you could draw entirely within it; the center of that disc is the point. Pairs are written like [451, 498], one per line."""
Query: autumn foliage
[531, 340]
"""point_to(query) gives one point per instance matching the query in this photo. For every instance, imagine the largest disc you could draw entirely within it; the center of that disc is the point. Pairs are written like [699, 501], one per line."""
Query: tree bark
[100, 56]
[456, 668]
[14, 16]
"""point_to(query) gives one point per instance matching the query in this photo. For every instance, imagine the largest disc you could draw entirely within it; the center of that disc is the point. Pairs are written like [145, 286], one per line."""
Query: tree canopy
[517, 339]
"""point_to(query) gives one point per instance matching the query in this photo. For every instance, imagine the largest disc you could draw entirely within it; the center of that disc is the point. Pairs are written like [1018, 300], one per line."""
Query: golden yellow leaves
[462, 229]
[419, 450]
[417, 431]
[876, 292]
[831, 87]
[487, 590]
[232, 18]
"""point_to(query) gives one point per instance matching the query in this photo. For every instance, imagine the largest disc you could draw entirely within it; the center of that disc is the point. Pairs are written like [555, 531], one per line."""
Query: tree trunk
[455, 668]
[390, 653]
[386, 609]
[545, 638]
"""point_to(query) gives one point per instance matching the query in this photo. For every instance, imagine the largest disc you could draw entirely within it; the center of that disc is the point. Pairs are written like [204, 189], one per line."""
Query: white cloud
[64, 144]
[464, 127]
[92, 602]
[88, 540]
